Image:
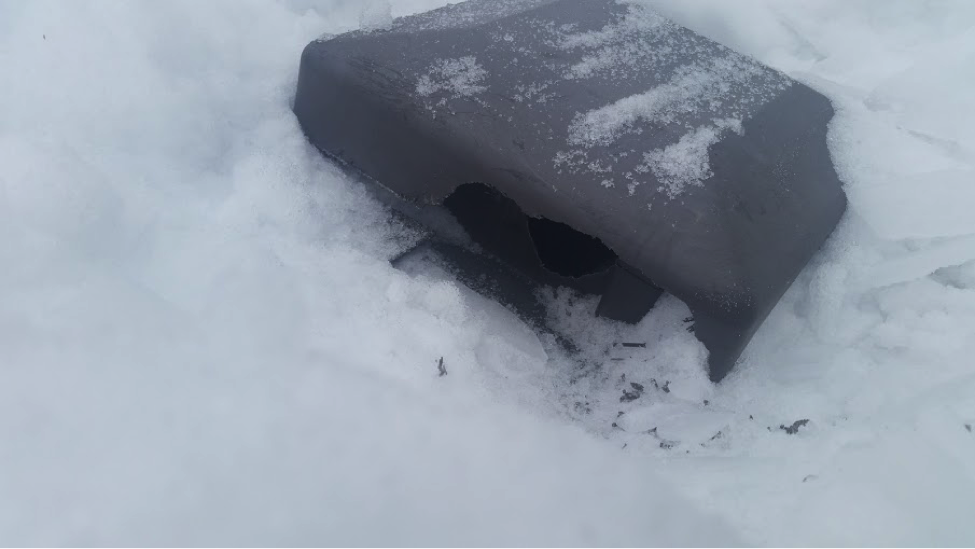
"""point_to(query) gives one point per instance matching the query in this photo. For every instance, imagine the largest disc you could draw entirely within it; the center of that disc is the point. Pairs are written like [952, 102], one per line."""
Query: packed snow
[202, 340]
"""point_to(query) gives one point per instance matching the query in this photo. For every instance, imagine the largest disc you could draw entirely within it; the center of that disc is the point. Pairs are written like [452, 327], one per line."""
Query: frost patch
[714, 87]
[535, 93]
[687, 162]
[460, 77]
[629, 43]
[637, 21]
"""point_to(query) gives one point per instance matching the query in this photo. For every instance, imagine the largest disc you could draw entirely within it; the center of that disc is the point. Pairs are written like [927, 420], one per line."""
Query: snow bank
[201, 340]
[873, 344]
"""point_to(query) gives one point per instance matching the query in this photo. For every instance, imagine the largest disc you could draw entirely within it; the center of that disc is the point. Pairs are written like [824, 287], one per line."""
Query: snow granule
[687, 161]
[461, 77]
[711, 87]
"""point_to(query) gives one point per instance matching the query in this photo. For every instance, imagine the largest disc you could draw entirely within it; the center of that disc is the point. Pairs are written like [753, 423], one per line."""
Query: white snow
[461, 77]
[712, 87]
[688, 161]
[630, 44]
[376, 15]
[202, 342]
[719, 91]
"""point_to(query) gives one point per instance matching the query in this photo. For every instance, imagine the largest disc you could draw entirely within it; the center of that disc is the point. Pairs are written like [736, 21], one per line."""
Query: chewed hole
[498, 225]
[566, 251]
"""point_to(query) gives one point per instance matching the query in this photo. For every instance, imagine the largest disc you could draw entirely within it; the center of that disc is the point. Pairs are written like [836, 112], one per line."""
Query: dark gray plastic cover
[704, 171]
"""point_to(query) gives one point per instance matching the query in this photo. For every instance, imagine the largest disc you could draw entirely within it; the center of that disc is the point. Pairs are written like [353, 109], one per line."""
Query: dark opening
[497, 224]
[566, 251]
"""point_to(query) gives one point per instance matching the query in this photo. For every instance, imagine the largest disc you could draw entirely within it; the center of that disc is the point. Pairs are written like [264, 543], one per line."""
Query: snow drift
[201, 341]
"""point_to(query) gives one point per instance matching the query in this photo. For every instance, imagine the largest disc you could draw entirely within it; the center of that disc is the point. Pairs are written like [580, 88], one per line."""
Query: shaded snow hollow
[201, 341]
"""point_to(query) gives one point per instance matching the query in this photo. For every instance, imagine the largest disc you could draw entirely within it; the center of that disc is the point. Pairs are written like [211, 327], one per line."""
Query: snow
[622, 46]
[688, 161]
[201, 339]
[708, 87]
[202, 342]
[462, 15]
[376, 15]
[459, 77]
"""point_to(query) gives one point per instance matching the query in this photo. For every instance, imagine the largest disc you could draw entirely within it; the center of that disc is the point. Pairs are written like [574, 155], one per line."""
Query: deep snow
[202, 342]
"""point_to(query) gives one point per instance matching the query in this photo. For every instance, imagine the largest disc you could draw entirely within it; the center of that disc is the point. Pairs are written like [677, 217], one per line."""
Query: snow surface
[376, 15]
[202, 342]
